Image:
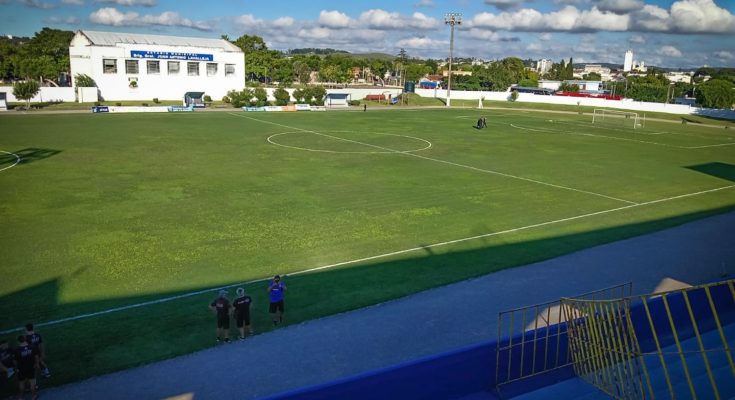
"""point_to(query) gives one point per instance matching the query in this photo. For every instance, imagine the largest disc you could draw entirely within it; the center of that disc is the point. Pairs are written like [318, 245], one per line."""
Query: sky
[675, 34]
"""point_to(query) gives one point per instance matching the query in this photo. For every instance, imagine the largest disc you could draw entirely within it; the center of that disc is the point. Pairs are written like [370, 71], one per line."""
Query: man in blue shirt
[276, 292]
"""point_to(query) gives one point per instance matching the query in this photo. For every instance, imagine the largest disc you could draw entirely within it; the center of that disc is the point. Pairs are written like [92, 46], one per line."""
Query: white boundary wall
[65, 94]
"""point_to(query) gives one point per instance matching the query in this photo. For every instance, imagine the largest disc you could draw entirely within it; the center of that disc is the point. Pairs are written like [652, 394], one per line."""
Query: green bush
[97, 103]
[514, 95]
[282, 96]
[145, 104]
[241, 98]
[155, 100]
[354, 102]
[225, 99]
[118, 104]
[261, 97]
[207, 99]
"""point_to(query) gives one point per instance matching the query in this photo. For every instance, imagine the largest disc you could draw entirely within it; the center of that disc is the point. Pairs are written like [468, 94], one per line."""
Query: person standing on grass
[241, 305]
[276, 291]
[221, 306]
[35, 340]
[27, 363]
[6, 367]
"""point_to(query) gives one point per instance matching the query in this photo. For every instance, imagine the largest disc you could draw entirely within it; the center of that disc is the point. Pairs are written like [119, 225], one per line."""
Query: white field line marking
[487, 171]
[203, 291]
[711, 145]
[428, 144]
[598, 136]
[17, 160]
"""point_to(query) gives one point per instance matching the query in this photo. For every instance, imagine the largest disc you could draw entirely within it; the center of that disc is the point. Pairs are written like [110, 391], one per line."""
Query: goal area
[626, 119]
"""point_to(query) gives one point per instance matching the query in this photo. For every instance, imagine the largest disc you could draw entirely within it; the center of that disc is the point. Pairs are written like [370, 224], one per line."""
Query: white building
[674, 77]
[129, 66]
[543, 66]
[628, 63]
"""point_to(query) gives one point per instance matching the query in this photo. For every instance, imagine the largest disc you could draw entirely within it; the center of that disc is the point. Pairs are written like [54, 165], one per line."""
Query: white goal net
[618, 118]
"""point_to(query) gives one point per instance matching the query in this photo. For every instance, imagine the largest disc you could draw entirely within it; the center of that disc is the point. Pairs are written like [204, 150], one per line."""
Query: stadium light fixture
[451, 19]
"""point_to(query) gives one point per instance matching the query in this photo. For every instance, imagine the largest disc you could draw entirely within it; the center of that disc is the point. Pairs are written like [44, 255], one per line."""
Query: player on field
[26, 362]
[6, 359]
[241, 305]
[35, 340]
[276, 291]
[221, 306]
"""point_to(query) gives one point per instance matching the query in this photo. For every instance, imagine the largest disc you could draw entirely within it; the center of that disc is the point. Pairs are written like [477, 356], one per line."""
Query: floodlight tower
[451, 19]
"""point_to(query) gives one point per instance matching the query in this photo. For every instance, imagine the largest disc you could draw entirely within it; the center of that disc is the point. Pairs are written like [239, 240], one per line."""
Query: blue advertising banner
[100, 109]
[170, 55]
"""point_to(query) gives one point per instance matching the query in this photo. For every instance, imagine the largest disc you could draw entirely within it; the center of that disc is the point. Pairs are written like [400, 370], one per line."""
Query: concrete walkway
[430, 322]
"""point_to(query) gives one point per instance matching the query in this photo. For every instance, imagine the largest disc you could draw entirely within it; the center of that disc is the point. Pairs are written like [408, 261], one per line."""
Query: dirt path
[430, 322]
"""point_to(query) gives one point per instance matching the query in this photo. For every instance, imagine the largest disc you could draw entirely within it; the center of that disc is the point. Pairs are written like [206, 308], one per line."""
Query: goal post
[620, 118]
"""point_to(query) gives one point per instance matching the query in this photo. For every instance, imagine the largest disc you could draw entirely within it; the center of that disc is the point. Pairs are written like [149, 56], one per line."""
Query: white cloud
[37, 4]
[568, 18]
[669, 51]
[688, 16]
[637, 39]
[283, 22]
[535, 46]
[685, 16]
[619, 6]
[420, 43]
[504, 4]
[425, 3]
[62, 21]
[129, 3]
[111, 16]
[381, 19]
[725, 55]
[545, 37]
[73, 2]
[489, 36]
[334, 19]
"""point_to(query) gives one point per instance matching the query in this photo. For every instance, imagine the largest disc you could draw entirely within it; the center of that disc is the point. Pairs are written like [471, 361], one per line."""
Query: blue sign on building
[170, 55]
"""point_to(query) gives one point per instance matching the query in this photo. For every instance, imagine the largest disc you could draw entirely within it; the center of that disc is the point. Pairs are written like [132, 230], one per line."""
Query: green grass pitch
[106, 211]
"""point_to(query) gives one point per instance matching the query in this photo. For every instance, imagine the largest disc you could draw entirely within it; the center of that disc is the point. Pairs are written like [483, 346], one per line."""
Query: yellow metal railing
[534, 337]
[606, 352]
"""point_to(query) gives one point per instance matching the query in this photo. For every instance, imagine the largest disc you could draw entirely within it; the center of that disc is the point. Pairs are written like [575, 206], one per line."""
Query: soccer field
[106, 211]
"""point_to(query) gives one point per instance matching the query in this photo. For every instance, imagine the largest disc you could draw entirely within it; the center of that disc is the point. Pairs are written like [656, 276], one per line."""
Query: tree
[282, 96]
[568, 87]
[26, 90]
[318, 94]
[592, 76]
[83, 80]
[302, 71]
[716, 93]
[528, 83]
[46, 54]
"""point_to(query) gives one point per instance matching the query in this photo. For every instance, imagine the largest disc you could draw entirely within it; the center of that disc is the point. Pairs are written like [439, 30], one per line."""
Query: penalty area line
[324, 267]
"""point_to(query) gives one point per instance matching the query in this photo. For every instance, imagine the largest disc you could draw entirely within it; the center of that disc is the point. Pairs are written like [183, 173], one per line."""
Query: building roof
[114, 38]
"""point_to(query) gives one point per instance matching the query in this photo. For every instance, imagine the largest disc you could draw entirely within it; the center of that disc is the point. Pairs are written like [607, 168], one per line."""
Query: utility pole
[451, 19]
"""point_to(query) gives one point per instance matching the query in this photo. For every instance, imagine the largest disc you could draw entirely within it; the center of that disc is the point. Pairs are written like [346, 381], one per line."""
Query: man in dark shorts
[26, 361]
[241, 307]
[6, 368]
[276, 291]
[221, 306]
[35, 340]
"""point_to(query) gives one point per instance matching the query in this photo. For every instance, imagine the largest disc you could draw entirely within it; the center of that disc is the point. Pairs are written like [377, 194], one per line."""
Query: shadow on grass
[716, 169]
[104, 343]
[27, 156]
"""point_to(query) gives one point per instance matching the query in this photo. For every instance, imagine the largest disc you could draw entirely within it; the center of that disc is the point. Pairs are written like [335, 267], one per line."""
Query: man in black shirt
[6, 368]
[221, 306]
[35, 340]
[242, 312]
[26, 361]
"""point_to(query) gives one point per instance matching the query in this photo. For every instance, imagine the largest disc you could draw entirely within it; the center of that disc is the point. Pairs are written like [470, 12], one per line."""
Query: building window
[131, 66]
[173, 67]
[211, 69]
[192, 68]
[109, 66]
[229, 69]
[154, 67]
